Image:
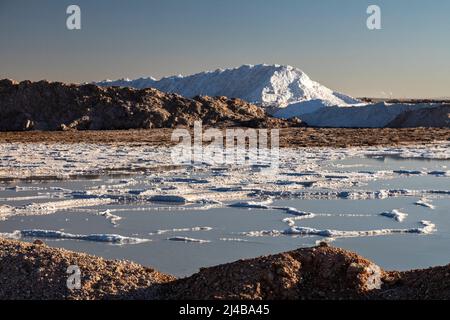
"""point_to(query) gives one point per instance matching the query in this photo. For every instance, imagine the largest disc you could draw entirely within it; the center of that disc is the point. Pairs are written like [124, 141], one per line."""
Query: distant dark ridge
[410, 101]
[436, 117]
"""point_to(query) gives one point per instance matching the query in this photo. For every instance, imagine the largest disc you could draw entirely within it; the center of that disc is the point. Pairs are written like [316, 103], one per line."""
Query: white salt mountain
[287, 92]
[273, 86]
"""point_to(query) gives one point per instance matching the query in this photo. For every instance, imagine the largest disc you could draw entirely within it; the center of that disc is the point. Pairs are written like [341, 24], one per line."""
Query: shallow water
[215, 226]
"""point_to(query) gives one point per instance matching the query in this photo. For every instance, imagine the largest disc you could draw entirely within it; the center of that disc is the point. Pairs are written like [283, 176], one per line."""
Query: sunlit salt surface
[390, 204]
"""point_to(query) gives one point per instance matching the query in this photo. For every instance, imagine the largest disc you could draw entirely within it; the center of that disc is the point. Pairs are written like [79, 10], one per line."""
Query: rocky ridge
[51, 106]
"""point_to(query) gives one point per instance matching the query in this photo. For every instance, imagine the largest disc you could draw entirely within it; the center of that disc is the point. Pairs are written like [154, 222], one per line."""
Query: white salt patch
[26, 188]
[52, 207]
[5, 211]
[326, 240]
[15, 235]
[265, 205]
[291, 220]
[114, 219]
[262, 233]
[395, 214]
[380, 194]
[427, 228]
[295, 212]
[51, 234]
[201, 229]
[193, 229]
[252, 204]
[233, 239]
[425, 203]
[349, 194]
[26, 198]
[187, 239]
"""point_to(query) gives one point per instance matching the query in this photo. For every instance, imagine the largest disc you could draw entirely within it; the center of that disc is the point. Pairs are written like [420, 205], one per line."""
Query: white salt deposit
[252, 204]
[51, 234]
[114, 219]
[395, 214]
[427, 227]
[425, 203]
[193, 229]
[52, 207]
[304, 174]
[233, 239]
[5, 211]
[187, 239]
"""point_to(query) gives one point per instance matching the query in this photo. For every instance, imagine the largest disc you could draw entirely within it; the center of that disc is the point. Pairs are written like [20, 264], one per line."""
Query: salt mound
[267, 85]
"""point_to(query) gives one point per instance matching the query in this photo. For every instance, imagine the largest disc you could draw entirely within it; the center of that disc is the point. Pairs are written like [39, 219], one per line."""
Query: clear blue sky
[328, 39]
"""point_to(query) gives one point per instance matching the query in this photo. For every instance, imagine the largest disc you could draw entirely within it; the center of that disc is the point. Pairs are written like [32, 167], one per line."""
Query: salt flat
[129, 201]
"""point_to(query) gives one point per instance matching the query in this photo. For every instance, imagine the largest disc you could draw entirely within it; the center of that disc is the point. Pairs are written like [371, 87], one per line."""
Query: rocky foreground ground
[36, 271]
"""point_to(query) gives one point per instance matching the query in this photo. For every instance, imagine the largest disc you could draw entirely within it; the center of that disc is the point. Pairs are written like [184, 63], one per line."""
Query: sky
[328, 39]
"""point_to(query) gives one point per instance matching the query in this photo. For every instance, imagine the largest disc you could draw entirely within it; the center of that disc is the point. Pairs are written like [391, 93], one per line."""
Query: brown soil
[289, 137]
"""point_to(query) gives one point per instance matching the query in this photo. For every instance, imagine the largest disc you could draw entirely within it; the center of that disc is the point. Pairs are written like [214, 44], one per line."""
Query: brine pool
[389, 205]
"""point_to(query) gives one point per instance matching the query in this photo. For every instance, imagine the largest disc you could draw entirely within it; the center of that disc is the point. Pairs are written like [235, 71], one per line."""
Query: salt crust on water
[305, 173]
[427, 227]
[52, 234]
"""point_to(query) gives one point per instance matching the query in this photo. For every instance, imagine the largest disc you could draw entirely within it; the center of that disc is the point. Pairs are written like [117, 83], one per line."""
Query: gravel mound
[36, 271]
[426, 284]
[308, 273]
